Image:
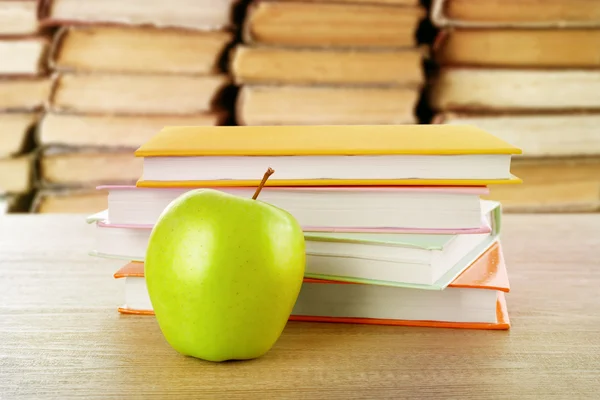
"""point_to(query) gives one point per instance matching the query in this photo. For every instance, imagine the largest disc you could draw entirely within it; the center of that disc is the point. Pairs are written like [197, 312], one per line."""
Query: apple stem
[262, 183]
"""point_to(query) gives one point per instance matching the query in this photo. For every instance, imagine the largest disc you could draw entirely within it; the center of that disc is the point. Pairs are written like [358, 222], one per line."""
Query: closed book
[331, 24]
[132, 49]
[377, 2]
[18, 18]
[68, 200]
[260, 105]
[112, 131]
[137, 94]
[23, 56]
[188, 14]
[24, 94]
[538, 134]
[470, 89]
[474, 300]
[80, 167]
[276, 65]
[516, 13]
[556, 184]
[518, 48]
[421, 155]
[419, 260]
[414, 209]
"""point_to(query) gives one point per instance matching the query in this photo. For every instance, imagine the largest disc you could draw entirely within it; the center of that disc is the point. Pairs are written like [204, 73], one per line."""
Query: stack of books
[329, 62]
[24, 88]
[527, 71]
[396, 231]
[121, 73]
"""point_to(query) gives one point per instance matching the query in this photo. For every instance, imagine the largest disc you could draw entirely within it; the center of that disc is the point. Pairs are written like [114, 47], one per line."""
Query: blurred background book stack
[24, 88]
[84, 82]
[329, 62]
[121, 72]
[528, 72]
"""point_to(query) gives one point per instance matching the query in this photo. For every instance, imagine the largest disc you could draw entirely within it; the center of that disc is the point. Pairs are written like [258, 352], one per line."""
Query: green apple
[223, 274]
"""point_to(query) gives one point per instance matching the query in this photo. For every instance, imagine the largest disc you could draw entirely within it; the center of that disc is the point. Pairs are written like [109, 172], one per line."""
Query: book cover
[487, 273]
[281, 145]
[323, 140]
[488, 208]
[515, 13]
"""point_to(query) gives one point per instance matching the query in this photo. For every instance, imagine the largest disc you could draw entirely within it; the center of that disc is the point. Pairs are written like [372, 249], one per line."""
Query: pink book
[402, 209]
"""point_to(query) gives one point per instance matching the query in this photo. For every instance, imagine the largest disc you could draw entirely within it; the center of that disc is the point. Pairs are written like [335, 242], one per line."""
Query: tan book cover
[259, 65]
[70, 201]
[15, 130]
[516, 13]
[480, 89]
[189, 14]
[306, 105]
[16, 174]
[116, 131]
[387, 2]
[539, 135]
[317, 24]
[88, 167]
[138, 50]
[24, 94]
[137, 94]
[536, 48]
[18, 17]
[552, 185]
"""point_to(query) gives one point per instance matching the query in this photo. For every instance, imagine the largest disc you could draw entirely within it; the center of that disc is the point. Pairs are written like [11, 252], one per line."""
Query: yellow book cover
[326, 155]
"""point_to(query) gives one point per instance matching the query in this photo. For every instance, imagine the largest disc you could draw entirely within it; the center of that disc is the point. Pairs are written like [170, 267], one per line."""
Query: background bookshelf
[83, 83]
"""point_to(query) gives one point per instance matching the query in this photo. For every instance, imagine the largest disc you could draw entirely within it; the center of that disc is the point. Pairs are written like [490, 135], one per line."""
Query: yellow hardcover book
[326, 155]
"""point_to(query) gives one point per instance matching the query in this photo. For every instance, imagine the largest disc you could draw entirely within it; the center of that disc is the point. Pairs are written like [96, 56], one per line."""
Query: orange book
[474, 300]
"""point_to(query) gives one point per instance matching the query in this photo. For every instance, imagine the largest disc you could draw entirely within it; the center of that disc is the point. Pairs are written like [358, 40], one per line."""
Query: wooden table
[61, 336]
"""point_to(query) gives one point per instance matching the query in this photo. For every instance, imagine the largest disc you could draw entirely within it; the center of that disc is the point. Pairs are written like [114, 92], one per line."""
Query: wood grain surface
[61, 336]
